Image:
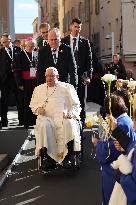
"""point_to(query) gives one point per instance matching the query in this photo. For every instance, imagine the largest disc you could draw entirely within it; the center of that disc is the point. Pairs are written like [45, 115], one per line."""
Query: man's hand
[95, 139]
[21, 88]
[118, 146]
[41, 111]
[86, 81]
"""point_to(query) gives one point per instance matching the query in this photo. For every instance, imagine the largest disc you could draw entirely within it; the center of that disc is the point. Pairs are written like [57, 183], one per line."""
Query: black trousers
[8, 86]
[29, 117]
[21, 107]
[81, 95]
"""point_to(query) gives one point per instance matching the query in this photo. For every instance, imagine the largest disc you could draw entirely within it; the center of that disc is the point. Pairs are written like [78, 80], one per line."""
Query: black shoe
[20, 124]
[48, 165]
[47, 168]
[0, 125]
[66, 164]
[26, 126]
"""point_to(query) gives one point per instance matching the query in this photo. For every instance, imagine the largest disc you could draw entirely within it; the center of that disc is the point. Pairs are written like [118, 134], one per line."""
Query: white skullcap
[54, 70]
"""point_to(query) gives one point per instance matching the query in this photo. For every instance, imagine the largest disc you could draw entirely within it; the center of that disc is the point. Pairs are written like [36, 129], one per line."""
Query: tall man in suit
[42, 39]
[56, 54]
[81, 51]
[7, 80]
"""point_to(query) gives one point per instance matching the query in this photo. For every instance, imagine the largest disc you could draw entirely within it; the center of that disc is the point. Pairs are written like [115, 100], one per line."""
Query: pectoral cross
[48, 96]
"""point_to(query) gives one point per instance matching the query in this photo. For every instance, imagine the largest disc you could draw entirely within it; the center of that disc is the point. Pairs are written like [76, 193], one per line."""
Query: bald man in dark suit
[58, 55]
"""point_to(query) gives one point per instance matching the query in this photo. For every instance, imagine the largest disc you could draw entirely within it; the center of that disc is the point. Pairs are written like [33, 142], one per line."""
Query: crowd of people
[116, 151]
[48, 81]
[23, 64]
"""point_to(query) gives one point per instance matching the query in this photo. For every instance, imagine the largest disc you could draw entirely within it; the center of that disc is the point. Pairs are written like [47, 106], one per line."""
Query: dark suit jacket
[119, 68]
[83, 55]
[5, 64]
[40, 42]
[22, 64]
[65, 64]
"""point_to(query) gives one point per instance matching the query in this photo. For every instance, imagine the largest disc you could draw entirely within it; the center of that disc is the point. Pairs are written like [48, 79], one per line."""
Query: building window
[46, 6]
[97, 7]
[86, 10]
[65, 23]
[102, 39]
[72, 13]
[80, 10]
[91, 7]
[109, 27]
[96, 41]
[69, 20]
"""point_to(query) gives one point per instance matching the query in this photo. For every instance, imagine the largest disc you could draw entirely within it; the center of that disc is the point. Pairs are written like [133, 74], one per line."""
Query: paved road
[62, 187]
[26, 185]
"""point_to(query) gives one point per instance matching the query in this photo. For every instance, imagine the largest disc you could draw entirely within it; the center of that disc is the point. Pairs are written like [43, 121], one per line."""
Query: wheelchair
[72, 160]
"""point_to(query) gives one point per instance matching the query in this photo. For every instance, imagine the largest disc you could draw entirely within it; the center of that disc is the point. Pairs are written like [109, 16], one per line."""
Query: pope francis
[57, 107]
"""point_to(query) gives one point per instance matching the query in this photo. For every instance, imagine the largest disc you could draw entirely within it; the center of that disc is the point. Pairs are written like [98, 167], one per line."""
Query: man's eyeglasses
[5, 41]
[49, 76]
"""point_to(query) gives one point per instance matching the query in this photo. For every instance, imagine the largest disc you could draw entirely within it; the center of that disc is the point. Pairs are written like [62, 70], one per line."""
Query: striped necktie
[54, 55]
[74, 44]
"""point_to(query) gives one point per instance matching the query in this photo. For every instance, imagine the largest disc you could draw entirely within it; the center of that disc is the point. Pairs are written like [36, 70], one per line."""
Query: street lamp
[108, 36]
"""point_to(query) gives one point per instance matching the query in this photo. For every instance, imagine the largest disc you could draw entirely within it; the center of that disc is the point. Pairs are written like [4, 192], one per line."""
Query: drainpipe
[64, 18]
[89, 13]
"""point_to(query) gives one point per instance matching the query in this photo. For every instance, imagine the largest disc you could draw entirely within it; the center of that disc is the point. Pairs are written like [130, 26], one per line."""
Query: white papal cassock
[53, 131]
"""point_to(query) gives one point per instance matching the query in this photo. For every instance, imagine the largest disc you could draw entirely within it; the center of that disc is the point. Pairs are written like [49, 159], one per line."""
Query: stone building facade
[101, 19]
[7, 17]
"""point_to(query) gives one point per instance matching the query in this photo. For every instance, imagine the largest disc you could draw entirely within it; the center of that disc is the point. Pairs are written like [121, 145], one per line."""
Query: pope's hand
[68, 116]
[41, 111]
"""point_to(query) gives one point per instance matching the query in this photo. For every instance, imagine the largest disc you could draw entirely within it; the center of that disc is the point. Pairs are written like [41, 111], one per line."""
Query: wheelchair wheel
[40, 159]
[39, 163]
